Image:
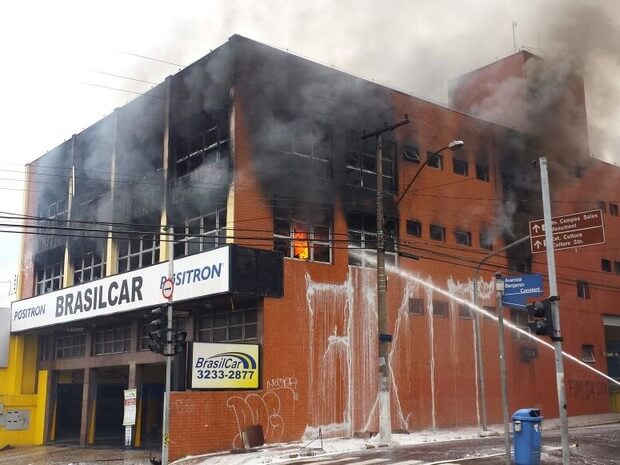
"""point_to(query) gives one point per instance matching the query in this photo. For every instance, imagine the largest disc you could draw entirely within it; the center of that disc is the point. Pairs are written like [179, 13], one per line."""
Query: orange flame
[300, 243]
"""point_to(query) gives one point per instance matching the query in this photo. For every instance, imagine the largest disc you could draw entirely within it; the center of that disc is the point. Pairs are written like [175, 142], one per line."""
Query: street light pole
[499, 292]
[385, 423]
[478, 335]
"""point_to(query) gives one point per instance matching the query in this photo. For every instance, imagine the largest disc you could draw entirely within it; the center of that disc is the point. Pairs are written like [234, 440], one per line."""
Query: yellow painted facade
[22, 388]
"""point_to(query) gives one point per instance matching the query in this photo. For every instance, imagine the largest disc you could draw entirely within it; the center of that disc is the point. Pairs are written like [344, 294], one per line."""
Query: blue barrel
[527, 428]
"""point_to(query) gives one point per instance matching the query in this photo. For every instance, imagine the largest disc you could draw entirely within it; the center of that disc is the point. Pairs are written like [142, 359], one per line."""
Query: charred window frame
[310, 148]
[70, 346]
[303, 236]
[434, 160]
[201, 233]
[362, 163]
[414, 228]
[209, 144]
[57, 209]
[583, 289]
[411, 153]
[462, 237]
[112, 339]
[88, 267]
[606, 265]
[460, 166]
[482, 172]
[416, 306]
[228, 321]
[437, 233]
[440, 308]
[49, 272]
[613, 209]
[138, 251]
[362, 235]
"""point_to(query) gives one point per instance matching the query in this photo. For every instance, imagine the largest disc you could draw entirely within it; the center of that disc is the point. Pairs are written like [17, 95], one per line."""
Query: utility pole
[385, 423]
[499, 292]
[555, 307]
[168, 352]
[478, 335]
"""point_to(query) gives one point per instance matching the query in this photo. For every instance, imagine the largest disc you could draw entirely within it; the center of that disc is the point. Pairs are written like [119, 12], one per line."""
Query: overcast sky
[52, 53]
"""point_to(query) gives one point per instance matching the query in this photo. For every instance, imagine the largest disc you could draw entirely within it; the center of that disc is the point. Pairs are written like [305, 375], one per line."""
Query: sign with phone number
[225, 366]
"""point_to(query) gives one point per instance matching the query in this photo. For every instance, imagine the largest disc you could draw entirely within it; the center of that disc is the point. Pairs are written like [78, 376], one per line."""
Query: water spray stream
[508, 324]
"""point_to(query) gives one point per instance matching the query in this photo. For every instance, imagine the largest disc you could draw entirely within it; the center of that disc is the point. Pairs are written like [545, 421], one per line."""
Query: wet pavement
[75, 455]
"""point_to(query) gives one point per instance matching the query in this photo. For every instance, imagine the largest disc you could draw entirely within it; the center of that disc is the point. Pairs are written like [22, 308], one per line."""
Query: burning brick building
[254, 156]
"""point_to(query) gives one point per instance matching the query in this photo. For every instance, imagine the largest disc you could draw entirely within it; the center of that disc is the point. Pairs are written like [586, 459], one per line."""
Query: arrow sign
[569, 231]
[518, 289]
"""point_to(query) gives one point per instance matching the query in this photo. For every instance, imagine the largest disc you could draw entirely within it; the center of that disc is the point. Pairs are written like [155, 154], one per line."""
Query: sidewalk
[293, 452]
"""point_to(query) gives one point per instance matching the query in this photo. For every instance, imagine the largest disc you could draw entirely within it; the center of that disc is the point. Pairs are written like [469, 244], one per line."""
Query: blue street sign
[518, 289]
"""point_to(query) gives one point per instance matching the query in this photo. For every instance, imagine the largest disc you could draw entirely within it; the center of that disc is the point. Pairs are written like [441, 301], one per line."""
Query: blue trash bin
[527, 427]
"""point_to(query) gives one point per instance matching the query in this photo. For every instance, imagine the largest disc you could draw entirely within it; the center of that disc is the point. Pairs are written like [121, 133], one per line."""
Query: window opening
[602, 205]
[606, 264]
[617, 267]
[440, 308]
[587, 353]
[414, 228]
[460, 166]
[362, 160]
[613, 209]
[138, 251]
[416, 306]
[465, 312]
[362, 234]
[434, 160]
[482, 172]
[295, 238]
[223, 322]
[583, 290]
[462, 237]
[49, 275]
[438, 233]
[520, 319]
[114, 339]
[69, 346]
[88, 267]
[204, 232]
[411, 153]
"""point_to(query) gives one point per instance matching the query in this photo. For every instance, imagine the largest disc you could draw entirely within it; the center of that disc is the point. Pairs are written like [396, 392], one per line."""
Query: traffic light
[541, 318]
[179, 342]
[157, 333]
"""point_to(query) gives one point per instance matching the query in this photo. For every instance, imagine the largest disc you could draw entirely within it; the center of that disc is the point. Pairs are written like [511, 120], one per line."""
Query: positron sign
[224, 366]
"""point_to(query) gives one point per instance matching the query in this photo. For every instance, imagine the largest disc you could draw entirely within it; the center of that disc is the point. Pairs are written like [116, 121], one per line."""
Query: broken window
[583, 290]
[362, 161]
[205, 141]
[309, 148]
[438, 233]
[587, 353]
[411, 154]
[362, 233]
[138, 251]
[57, 210]
[434, 160]
[296, 236]
[201, 233]
[460, 166]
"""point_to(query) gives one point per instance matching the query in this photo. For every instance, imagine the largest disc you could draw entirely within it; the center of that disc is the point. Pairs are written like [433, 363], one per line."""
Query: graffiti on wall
[263, 409]
[587, 390]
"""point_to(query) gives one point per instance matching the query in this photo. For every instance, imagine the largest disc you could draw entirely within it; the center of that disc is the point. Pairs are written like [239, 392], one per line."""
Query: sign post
[569, 231]
[129, 414]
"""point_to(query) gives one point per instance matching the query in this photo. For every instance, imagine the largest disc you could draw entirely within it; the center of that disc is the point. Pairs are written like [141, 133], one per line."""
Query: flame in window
[301, 249]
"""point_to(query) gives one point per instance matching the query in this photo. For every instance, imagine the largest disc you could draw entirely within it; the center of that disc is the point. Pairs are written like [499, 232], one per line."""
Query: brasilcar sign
[194, 276]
